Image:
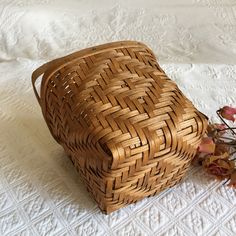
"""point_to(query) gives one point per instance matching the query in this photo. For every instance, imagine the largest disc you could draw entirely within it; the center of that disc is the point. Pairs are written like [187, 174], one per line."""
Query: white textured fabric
[184, 31]
[40, 192]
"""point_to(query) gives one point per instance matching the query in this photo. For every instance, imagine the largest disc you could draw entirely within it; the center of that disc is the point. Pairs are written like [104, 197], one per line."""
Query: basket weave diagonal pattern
[126, 126]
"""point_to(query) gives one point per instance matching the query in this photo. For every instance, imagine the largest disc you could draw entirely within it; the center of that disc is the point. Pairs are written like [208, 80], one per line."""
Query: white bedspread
[40, 192]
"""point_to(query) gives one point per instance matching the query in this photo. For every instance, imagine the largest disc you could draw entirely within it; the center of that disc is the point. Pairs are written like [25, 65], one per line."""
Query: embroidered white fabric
[40, 192]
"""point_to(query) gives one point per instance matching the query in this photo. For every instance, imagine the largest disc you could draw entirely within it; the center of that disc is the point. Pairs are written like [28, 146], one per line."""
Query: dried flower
[217, 149]
[207, 145]
[228, 113]
[219, 166]
[220, 127]
[214, 130]
[221, 149]
[216, 126]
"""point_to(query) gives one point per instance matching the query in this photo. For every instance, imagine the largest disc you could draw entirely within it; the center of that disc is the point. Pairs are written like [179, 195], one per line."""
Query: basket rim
[53, 66]
[100, 48]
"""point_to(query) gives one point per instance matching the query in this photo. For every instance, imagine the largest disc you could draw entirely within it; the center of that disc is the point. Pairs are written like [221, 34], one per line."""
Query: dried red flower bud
[207, 145]
[228, 113]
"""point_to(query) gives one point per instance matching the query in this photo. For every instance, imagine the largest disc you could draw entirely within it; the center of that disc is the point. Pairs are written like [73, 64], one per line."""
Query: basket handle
[35, 75]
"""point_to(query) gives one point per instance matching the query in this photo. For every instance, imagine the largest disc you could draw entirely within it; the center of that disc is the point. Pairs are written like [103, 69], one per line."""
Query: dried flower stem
[218, 113]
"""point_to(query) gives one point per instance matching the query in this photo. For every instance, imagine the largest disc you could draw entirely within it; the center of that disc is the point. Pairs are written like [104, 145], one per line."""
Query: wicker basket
[126, 126]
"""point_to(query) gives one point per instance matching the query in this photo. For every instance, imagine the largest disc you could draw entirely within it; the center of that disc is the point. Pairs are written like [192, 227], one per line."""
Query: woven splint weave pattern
[126, 126]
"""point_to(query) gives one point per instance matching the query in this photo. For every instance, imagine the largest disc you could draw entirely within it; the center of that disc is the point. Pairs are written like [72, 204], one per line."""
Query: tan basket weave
[126, 126]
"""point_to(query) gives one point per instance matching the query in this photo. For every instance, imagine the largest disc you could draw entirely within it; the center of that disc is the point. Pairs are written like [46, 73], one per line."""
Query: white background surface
[40, 193]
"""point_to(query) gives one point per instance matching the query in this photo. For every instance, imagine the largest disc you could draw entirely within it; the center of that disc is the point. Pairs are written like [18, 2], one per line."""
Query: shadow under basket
[126, 126]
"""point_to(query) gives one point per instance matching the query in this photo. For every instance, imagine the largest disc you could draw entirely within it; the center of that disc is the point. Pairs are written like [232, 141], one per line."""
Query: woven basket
[125, 125]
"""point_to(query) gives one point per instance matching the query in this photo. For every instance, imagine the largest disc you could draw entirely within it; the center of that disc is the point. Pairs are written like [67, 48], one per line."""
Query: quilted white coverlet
[40, 192]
